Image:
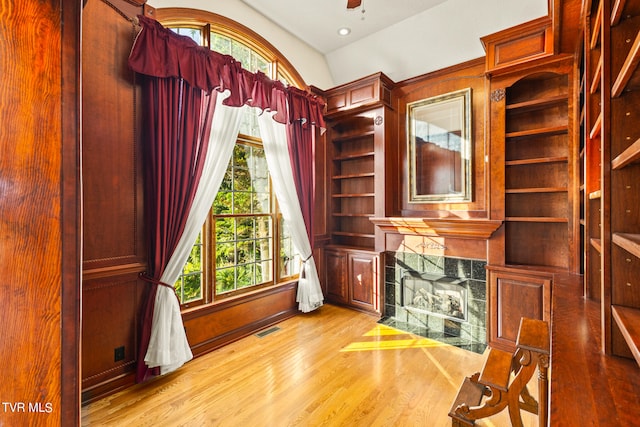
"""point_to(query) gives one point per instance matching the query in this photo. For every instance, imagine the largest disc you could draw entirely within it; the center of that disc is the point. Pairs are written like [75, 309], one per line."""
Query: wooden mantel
[444, 227]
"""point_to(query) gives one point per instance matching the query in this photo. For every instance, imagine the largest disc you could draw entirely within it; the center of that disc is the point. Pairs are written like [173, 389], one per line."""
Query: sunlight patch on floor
[383, 330]
[390, 344]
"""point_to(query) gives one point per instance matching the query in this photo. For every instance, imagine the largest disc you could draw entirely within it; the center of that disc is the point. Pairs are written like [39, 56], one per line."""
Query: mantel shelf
[446, 227]
[628, 156]
[628, 242]
[628, 68]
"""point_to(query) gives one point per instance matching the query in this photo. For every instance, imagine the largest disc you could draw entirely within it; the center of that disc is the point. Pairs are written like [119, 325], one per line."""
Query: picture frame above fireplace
[439, 147]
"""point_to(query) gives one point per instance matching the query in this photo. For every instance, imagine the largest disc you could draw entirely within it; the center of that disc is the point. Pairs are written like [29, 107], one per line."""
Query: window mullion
[209, 261]
[206, 35]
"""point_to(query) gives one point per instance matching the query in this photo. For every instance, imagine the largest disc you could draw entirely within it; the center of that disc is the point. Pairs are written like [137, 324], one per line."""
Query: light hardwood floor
[331, 367]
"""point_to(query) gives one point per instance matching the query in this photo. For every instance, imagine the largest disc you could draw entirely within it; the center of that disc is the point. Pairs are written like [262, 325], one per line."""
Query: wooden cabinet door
[336, 276]
[363, 281]
[513, 295]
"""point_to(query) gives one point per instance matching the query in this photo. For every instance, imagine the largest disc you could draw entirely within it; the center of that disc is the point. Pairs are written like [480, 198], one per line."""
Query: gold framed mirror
[439, 146]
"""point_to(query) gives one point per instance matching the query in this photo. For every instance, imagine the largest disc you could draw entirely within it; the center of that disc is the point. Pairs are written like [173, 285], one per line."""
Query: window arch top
[216, 27]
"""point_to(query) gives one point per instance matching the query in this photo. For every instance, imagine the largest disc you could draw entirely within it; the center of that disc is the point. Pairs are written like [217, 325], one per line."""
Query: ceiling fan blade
[352, 4]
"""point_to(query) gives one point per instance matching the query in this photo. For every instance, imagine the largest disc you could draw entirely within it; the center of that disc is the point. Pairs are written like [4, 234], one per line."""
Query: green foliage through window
[245, 242]
[189, 284]
[243, 222]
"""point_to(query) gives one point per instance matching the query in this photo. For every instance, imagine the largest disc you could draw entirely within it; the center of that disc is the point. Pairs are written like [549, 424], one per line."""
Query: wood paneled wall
[113, 229]
[466, 75]
[39, 245]
[450, 231]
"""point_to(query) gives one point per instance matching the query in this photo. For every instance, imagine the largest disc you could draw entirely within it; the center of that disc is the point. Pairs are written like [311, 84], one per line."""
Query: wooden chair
[504, 378]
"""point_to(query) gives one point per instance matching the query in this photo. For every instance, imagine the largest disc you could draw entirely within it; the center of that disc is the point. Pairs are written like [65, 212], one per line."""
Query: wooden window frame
[209, 22]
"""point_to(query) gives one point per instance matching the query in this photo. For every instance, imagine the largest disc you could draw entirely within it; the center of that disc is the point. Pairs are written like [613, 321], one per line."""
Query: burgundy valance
[159, 52]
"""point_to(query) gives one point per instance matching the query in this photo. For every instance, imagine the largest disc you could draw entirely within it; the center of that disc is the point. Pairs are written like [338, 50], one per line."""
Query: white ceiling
[316, 22]
[401, 38]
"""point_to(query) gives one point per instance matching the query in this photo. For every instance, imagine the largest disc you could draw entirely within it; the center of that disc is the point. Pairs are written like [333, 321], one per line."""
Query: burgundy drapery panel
[179, 74]
[175, 144]
[301, 153]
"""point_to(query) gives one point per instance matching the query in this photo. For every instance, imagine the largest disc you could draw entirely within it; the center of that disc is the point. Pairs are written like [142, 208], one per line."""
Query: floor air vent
[266, 332]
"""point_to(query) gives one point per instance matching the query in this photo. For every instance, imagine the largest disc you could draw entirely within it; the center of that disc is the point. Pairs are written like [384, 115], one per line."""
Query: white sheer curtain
[274, 140]
[168, 346]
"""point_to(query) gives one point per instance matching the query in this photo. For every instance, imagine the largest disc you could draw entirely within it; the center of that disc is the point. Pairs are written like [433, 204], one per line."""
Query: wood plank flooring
[331, 367]
[588, 388]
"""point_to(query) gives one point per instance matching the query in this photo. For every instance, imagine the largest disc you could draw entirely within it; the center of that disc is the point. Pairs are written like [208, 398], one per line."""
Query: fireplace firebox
[436, 295]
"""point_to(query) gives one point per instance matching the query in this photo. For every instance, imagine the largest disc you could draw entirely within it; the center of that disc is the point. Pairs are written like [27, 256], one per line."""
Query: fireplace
[435, 295]
[438, 297]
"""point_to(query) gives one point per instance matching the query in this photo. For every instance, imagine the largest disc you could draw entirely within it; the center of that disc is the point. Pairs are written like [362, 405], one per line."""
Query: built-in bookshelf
[592, 162]
[623, 263]
[353, 181]
[358, 116]
[612, 170]
[534, 179]
[537, 180]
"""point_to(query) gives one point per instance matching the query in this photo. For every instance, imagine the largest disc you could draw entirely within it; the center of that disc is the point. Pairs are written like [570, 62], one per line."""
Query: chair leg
[514, 415]
[543, 384]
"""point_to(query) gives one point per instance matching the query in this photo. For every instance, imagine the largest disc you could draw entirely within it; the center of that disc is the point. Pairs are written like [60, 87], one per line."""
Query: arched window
[230, 37]
[244, 243]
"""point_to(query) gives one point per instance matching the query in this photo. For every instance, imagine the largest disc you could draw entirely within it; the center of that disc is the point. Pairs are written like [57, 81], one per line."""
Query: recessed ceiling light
[344, 31]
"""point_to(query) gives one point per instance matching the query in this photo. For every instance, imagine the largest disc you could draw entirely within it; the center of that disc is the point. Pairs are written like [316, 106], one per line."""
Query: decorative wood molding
[498, 95]
[362, 93]
[444, 227]
[519, 44]
[113, 270]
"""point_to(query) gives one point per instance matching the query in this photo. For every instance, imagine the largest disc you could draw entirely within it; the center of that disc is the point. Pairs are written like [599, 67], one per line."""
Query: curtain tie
[302, 274]
[144, 276]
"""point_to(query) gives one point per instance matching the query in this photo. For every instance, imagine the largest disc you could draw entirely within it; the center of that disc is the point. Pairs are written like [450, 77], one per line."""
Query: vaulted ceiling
[318, 22]
[401, 38]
